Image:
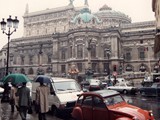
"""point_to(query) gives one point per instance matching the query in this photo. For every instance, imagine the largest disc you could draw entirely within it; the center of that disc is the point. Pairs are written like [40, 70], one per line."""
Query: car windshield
[113, 100]
[66, 85]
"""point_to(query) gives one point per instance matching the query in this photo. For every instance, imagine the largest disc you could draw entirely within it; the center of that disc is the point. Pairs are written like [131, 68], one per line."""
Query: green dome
[86, 16]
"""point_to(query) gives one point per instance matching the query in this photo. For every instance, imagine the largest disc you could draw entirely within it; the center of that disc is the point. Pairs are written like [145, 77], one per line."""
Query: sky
[138, 10]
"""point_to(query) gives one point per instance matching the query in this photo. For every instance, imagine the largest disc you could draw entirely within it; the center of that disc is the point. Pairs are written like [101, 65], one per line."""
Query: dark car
[154, 90]
[95, 84]
[107, 105]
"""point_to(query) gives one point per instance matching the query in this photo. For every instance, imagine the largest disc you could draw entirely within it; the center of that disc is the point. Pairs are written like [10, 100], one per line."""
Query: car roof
[59, 79]
[103, 93]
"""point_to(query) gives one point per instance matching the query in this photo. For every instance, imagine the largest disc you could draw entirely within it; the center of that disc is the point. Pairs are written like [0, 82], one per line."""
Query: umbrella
[42, 79]
[16, 78]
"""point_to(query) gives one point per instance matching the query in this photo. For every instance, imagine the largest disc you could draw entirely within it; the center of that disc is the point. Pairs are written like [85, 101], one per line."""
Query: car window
[113, 100]
[97, 102]
[87, 101]
[67, 85]
[79, 101]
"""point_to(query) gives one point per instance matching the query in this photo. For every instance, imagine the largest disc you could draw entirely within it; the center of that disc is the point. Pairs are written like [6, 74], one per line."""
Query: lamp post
[10, 23]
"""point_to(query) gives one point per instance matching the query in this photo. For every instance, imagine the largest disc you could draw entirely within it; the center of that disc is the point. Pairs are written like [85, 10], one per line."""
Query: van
[64, 93]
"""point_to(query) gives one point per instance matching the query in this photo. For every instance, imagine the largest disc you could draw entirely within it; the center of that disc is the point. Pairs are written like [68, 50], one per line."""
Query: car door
[100, 111]
[87, 108]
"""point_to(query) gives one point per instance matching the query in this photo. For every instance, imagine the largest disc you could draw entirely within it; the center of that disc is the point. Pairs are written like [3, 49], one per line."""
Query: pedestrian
[13, 97]
[24, 100]
[42, 93]
[6, 93]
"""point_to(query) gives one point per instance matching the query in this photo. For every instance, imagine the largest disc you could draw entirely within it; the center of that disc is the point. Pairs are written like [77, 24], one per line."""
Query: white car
[64, 93]
[124, 87]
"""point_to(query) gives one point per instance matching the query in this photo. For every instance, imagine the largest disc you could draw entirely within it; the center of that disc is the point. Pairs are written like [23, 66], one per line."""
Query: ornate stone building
[106, 41]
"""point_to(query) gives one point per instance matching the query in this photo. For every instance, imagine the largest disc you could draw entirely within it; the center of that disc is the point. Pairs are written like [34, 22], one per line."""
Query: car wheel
[125, 91]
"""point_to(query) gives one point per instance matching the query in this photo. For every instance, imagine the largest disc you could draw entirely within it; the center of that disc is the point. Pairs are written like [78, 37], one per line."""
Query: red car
[107, 105]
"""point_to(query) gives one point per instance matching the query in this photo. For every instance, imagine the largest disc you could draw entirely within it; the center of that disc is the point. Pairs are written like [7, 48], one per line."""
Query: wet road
[148, 103]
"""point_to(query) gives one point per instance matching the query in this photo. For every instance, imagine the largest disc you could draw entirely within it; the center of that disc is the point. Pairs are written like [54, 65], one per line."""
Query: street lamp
[9, 24]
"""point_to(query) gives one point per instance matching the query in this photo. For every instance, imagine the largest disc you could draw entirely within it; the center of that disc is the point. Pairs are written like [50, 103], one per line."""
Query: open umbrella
[16, 78]
[43, 79]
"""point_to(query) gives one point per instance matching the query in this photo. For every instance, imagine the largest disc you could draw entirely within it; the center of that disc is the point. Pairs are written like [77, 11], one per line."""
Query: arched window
[129, 68]
[30, 71]
[49, 70]
[22, 70]
[142, 68]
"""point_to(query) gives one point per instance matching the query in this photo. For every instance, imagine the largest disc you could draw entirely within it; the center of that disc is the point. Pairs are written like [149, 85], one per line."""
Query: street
[148, 103]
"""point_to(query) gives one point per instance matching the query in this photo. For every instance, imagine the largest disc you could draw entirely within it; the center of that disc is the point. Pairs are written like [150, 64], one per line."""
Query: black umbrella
[43, 79]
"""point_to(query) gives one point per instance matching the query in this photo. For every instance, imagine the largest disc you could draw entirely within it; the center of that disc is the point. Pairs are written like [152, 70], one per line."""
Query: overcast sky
[138, 10]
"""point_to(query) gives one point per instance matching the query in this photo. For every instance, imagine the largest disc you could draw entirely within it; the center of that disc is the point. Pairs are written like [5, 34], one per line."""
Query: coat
[42, 94]
[13, 95]
[24, 96]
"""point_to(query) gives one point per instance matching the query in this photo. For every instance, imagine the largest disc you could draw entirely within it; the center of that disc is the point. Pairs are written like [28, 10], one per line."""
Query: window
[79, 65]
[88, 101]
[128, 56]
[22, 60]
[49, 58]
[80, 99]
[93, 51]
[94, 67]
[79, 51]
[30, 71]
[70, 49]
[63, 56]
[97, 102]
[30, 60]
[141, 53]
[63, 69]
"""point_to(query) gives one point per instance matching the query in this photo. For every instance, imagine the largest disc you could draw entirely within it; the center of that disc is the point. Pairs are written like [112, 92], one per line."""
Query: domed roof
[107, 12]
[86, 16]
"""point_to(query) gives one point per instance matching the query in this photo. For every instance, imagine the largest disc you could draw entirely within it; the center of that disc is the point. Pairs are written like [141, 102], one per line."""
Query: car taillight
[150, 113]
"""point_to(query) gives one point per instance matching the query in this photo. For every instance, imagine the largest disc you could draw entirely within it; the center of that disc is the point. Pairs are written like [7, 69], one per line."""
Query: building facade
[56, 39]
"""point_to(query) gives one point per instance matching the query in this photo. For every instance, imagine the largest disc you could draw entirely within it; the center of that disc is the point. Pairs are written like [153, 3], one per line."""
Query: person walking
[13, 97]
[24, 100]
[42, 93]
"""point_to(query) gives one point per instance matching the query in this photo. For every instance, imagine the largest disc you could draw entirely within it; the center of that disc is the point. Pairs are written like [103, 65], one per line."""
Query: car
[95, 84]
[107, 105]
[63, 95]
[153, 90]
[1, 92]
[124, 87]
[84, 85]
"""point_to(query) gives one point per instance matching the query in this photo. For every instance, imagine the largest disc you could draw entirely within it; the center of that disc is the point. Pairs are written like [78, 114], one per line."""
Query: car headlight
[150, 113]
[135, 118]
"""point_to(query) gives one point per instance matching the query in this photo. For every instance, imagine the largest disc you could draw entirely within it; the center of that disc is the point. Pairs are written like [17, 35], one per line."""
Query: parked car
[124, 87]
[154, 90]
[85, 85]
[63, 95]
[107, 105]
[1, 92]
[95, 84]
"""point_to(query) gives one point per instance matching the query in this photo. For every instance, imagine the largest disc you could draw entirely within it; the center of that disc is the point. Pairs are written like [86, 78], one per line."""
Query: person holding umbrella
[42, 93]
[24, 100]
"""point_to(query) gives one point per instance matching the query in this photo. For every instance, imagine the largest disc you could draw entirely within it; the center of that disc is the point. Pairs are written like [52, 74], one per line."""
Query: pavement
[6, 114]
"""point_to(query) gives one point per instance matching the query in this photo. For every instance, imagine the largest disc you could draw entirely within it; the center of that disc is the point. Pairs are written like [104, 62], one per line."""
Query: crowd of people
[19, 97]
